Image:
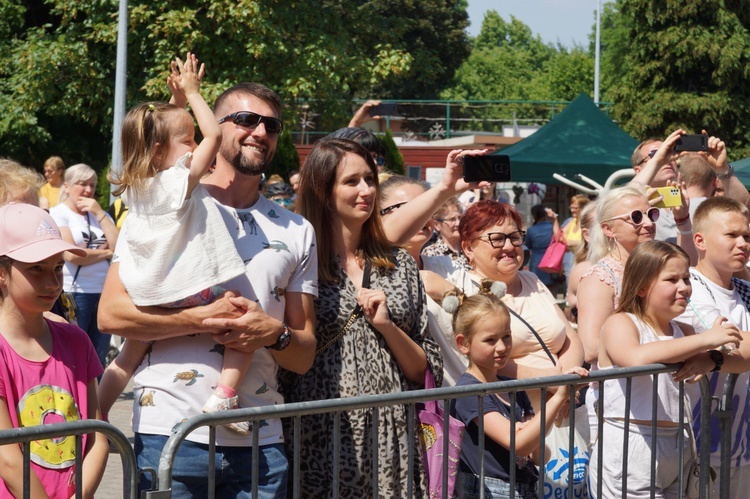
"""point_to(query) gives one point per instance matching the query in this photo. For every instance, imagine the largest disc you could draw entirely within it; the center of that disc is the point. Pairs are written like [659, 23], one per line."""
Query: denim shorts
[468, 487]
[234, 469]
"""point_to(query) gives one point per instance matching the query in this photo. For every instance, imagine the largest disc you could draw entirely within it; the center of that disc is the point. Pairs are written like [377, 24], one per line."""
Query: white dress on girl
[179, 247]
[639, 436]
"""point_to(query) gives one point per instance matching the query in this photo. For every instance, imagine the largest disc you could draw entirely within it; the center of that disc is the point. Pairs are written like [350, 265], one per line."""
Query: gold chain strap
[355, 315]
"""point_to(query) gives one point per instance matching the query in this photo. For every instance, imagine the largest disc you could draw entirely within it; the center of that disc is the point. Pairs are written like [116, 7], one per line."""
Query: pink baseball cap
[28, 234]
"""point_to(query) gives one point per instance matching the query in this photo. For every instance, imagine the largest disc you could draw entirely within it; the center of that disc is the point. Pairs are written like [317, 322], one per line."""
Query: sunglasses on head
[636, 216]
[252, 120]
[391, 208]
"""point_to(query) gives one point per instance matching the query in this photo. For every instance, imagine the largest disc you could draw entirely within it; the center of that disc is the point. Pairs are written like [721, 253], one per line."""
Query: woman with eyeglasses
[86, 224]
[371, 329]
[448, 242]
[492, 238]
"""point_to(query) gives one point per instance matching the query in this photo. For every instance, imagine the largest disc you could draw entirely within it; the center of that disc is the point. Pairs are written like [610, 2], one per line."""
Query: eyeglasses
[252, 120]
[636, 216]
[392, 207]
[452, 220]
[648, 156]
[497, 239]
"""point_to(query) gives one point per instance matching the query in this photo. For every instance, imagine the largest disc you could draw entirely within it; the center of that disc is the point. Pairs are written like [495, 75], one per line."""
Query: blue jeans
[234, 470]
[468, 487]
[87, 305]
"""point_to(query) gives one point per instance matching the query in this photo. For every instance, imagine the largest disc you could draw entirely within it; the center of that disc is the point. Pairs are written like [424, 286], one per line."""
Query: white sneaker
[216, 404]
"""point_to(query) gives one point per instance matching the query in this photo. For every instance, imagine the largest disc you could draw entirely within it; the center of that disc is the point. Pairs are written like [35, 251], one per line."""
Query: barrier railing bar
[626, 437]
[410, 422]
[599, 435]
[724, 414]
[542, 445]
[375, 401]
[480, 420]
[375, 451]
[256, 457]
[654, 412]
[75, 428]
[212, 462]
[571, 439]
[79, 466]
[336, 450]
[512, 474]
[296, 472]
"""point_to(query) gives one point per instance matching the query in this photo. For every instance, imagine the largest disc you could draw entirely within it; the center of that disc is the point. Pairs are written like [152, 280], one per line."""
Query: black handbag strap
[356, 313]
[533, 331]
[536, 335]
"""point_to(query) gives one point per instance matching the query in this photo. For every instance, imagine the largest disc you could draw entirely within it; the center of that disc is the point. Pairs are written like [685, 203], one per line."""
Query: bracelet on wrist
[685, 232]
[680, 221]
[100, 219]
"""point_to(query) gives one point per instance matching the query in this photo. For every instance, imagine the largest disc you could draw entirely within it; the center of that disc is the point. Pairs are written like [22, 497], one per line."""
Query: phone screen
[384, 109]
[489, 168]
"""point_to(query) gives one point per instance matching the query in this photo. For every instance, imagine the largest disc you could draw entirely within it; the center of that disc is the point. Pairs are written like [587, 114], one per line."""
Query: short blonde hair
[716, 204]
[19, 183]
[77, 173]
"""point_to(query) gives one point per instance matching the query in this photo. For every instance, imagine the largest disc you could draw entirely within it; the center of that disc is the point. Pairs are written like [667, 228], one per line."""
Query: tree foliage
[681, 64]
[509, 62]
[57, 59]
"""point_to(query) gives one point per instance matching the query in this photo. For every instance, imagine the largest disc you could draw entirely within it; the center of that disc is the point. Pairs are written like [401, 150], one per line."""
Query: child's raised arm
[11, 462]
[188, 81]
[620, 342]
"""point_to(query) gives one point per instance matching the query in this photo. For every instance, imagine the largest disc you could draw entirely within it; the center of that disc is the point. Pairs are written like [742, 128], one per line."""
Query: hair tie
[452, 300]
[151, 108]
[490, 287]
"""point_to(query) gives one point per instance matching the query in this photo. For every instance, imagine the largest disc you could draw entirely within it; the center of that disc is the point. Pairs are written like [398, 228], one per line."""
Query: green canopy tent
[742, 170]
[581, 139]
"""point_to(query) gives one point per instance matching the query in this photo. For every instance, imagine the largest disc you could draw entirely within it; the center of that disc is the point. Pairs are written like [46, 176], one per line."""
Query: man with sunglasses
[269, 314]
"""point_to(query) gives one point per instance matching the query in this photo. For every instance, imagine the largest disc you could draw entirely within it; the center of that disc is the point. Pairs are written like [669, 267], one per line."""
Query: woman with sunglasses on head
[395, 193]
[371, 330]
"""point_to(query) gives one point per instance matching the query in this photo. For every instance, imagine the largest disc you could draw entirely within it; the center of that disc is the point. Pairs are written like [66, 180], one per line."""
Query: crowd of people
[233, 290]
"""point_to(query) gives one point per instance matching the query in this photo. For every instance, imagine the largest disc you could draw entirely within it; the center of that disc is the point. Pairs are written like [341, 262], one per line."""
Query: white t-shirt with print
[87, 234]
[178, 375]
[708, 295]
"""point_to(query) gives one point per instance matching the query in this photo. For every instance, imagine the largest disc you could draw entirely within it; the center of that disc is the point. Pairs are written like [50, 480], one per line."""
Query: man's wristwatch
[285, 338]
[728, 174]
[718, 359]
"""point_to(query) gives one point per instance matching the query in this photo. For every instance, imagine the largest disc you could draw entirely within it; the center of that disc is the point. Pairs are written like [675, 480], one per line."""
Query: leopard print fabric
[360, 363]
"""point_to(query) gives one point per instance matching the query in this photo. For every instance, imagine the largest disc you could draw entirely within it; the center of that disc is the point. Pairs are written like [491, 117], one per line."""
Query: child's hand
[186, 76]
[722, 333]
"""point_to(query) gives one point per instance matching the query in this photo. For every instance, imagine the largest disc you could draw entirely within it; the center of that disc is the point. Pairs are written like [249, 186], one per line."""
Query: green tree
[57, 59]
[394, 161]
[286, 158]
[687, 67]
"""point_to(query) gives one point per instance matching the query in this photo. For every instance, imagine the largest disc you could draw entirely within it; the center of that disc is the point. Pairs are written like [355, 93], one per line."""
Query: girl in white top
[655, 290]
[181, 250]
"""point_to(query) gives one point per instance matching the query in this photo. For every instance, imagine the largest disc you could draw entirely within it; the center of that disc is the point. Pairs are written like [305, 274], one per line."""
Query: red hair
[485, 214]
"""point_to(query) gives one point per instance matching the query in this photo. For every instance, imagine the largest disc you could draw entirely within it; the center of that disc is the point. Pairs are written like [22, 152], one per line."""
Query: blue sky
[566, 21]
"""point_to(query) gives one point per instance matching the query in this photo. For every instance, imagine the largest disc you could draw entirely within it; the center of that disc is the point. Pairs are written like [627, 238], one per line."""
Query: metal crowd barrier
[76, 429]
[297, 410]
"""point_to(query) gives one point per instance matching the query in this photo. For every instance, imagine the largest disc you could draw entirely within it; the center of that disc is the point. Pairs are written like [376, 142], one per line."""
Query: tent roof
[581, 139]
[742, 170]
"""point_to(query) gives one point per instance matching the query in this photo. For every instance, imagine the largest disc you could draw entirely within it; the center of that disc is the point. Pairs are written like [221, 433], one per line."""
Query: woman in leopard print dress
[386, 349]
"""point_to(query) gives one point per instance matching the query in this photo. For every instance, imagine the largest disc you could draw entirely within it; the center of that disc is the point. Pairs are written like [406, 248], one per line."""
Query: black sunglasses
[636, 216]
[252, 120]
[392, 207]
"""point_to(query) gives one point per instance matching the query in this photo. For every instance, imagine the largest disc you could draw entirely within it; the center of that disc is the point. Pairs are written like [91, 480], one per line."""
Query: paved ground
[111, 486]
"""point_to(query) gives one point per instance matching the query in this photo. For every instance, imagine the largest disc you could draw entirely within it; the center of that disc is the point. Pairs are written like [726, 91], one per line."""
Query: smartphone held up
[494, 168]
